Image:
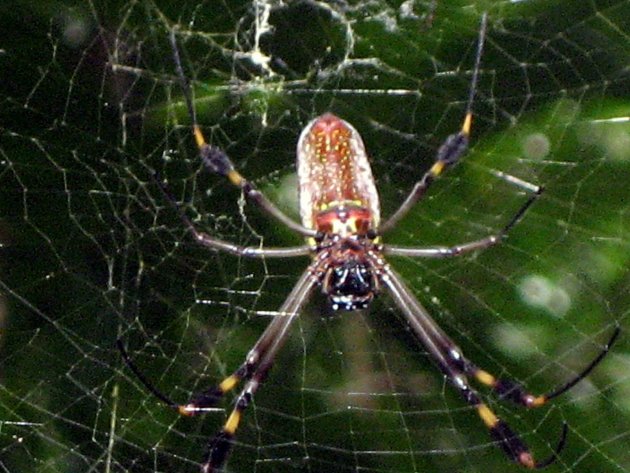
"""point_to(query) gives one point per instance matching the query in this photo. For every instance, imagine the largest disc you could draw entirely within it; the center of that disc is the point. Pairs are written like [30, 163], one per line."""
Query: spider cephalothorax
[349, 280]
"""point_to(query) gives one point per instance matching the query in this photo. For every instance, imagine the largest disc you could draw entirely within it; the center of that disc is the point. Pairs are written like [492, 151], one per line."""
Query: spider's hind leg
[217, 161]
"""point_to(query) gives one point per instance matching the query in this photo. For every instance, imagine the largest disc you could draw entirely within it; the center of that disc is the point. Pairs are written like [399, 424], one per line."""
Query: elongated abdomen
[335, 178]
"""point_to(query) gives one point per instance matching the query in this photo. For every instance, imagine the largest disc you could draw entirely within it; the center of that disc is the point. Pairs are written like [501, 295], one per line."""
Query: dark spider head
[349, 286]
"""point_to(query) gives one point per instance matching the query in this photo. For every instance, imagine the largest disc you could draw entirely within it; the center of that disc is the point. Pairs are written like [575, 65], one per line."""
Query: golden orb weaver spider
[340, 214]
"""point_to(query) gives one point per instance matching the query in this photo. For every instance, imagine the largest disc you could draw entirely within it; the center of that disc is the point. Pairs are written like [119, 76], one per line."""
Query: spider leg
[508, 389]
[259, 361]
[249, 251]
[218, 162]
[453, 148]
[211, 397]
[456, 250]
[254, 370]
[222, 245]
[445, 354]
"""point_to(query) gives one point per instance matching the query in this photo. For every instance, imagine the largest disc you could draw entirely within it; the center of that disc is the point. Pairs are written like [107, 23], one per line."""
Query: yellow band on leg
[467, 124]
[235, 178]
[201, 141]
[228, 383]
[232, 423]
[487, 416]
[437, 168]
[485, 378]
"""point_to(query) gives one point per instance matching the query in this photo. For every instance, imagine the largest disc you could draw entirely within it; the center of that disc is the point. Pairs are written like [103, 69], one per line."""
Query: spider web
[90, 250]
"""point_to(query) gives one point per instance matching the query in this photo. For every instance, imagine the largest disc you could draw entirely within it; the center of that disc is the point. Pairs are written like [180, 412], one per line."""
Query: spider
[340, 214]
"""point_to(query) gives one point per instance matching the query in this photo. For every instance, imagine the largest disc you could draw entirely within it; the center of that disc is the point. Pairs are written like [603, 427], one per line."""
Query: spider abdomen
[337, 190]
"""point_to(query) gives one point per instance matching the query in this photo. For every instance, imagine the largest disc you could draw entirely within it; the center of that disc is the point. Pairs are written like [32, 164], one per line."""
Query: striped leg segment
[453, 148]
[514, 392]
[254, 371]
[448, 154]
[258, 363]
[250, 366]
[457, 369]
[512, 444]
[218, 162]
[211, 397]
[219, 447]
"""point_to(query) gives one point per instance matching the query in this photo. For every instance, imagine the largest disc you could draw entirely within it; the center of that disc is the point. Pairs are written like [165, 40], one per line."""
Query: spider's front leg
[515, 392]
[254, 371]
[449, 360]
[458, 368]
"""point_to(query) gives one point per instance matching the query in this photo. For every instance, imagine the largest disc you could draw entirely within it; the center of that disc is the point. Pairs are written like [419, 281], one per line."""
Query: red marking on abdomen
[344, 220]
